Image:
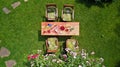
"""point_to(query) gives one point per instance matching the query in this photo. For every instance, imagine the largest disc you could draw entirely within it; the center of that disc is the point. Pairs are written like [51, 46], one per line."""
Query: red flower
[62, 27]
[66, 30]
[32, 56]
[35, 56]
[29, 57]
[48, 31]
[44, 31]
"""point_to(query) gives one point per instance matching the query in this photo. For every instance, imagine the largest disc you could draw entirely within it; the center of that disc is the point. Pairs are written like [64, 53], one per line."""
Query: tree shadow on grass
[117, 29]
[118, 11]
[117, 64]
[90, 3]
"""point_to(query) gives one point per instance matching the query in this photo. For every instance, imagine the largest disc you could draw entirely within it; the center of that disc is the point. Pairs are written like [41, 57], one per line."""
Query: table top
[60, 28]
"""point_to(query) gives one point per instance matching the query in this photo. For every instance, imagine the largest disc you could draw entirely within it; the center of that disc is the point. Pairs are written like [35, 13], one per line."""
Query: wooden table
[60, 28]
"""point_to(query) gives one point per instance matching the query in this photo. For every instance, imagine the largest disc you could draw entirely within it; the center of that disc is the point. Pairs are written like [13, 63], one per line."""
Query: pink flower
[35, 56]
[65, 57]
[32, 56]
[67, 49]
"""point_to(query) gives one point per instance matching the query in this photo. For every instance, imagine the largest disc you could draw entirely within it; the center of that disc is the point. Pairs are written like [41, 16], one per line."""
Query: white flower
[103, 65]
[39, 51]
[83, 54]
[52, 55]
[25, 0]
[46, 55]
[84, 57]
[83, 51]
[32, 63]
[92, 53]
[74, 54]
[88, 63]
[59, 61]
[77, 47]
[71, 52]
[67, 49]
[101, 60]
[54, 60]
[46, 58]
[80, 66]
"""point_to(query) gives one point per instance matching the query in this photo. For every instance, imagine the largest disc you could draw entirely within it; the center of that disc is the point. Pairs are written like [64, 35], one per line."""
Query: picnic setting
[60, 28]
[59, 33]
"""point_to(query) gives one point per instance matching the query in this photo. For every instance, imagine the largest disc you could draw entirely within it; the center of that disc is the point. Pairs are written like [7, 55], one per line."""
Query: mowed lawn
[99, 29]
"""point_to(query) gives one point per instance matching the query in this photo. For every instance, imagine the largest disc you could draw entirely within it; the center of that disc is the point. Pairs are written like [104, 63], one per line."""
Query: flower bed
[71, 59]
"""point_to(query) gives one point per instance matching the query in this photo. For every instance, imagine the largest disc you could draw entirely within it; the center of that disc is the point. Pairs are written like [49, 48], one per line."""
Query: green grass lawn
[99, 29]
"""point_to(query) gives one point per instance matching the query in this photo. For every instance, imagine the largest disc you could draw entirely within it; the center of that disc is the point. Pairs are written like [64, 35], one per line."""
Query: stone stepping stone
[15, 4]
[6, 10]
[10, 63]
[4, 52]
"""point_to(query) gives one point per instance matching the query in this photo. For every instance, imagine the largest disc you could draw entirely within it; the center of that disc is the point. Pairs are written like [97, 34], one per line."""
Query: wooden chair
[72, 44]
[68, 12]
[52, 45]
[51, 12]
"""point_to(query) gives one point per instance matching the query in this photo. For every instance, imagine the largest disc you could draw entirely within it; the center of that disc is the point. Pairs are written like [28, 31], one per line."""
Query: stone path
[4, 52]
[6, 10]
[10, 63]
[15, 4]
